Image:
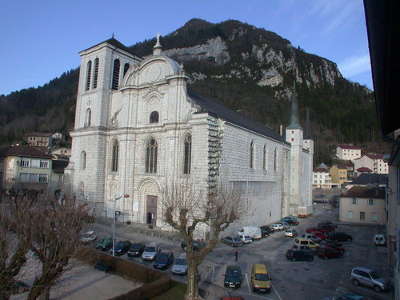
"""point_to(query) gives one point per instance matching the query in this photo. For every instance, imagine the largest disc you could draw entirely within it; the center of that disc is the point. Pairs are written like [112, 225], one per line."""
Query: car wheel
[377, 288]
[356, 282]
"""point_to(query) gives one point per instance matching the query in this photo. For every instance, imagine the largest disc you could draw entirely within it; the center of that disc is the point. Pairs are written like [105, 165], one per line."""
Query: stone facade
[152, 105]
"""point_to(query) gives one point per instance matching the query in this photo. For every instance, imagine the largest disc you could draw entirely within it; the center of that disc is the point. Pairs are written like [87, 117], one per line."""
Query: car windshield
[150, 249]
[234, 273]
[262, 277]
[120, 245]
[180, 261]
[374, 275]
[162, 258]
[136, 246]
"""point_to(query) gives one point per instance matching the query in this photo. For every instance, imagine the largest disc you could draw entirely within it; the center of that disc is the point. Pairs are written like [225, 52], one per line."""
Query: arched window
[83, 160]
[151, 156]
[187, 160]
[252, 155]
[115, 78]
[154, 117]
[126, 68]
[114, 159]
[275, 159]
[88, 74]
[265, 157]
[96, 72]
[88, 117]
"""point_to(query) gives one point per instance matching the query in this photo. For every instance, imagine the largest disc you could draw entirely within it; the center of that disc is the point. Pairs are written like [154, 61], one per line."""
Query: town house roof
[26, 151]
[365, 192]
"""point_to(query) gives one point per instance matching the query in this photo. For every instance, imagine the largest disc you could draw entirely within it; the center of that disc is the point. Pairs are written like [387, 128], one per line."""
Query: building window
[96, 72]
[370, 201]
[154, 117]
[115, 154]
[44, 164]
[354, 201]
[83, 160]
[35, 163]
[88, 74]
[362, 216]
[187, 154]
[43, 178]
[350, 214]
[265, 157]
[275, 159]
[252, 155]
[24, 163]
[115, 78]
[88, 118]
[151, 156]
[126, 68]
[374, 217]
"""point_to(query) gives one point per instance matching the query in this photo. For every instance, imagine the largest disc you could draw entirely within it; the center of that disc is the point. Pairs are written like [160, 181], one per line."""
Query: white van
[252, 231]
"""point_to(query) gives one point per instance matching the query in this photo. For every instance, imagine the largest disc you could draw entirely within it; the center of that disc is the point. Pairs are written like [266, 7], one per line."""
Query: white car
[88, 237]
[379, 240]
[150, 252]
[291, 232]
[277, 226]
[245, 239]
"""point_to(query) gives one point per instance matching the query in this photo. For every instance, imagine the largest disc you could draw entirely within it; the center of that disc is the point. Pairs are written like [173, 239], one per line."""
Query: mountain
[249, 69]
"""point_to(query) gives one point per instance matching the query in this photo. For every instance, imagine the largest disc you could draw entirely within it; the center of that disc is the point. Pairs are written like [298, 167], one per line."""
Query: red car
[312, 230]
[320, 235]
[332, 244]
[327, 252]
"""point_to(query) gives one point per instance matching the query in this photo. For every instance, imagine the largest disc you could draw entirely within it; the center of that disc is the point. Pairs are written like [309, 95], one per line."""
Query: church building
[138, 125]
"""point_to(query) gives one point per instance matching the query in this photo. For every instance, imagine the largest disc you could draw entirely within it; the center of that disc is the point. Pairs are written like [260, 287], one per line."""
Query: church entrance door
[151, 209]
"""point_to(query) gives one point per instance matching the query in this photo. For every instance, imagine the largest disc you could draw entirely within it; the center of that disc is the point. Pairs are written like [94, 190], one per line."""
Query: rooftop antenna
[113, 35]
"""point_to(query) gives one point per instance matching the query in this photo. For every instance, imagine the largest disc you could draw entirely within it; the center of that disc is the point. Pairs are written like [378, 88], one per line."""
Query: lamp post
[115, 216]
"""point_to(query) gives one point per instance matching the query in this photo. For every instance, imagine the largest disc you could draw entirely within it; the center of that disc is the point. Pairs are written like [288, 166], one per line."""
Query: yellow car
[260, 279]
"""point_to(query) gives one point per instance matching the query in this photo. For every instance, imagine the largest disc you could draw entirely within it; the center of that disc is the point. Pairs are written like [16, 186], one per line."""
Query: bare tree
[188, 210]
[14, 238]
[55, 239]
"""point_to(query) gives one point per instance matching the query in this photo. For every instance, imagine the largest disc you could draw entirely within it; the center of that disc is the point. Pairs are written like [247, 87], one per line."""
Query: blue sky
[41, 39]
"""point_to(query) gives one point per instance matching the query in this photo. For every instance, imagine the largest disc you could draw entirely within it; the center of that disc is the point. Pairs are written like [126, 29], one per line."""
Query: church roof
[216, 108]
[114, 42]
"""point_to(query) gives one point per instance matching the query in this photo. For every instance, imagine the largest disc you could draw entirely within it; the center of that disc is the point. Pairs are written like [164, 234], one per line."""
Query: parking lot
[291, 280]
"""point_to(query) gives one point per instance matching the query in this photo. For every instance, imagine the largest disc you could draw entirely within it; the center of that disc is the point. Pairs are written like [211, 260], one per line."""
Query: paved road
[291, 280]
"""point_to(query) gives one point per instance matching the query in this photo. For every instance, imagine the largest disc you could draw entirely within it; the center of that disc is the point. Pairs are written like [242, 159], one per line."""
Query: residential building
[348, 152]
[375, 162]
[138, 126]
[26, 167]
[39, 139]
[62, 152]
[364, 161]
[338, 175]
[363, 205]
[384, 44]
[362, 170]
[322, 178]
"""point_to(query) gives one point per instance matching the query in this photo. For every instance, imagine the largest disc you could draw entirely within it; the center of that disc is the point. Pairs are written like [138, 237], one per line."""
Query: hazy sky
[41, 39]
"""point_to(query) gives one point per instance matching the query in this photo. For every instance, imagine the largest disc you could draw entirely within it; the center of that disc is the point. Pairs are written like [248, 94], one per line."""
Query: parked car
[312, 230]
[332, 244]
[291, 220]
[291, 232]
[277, 226]
[121, 248]
[299, 255]
[311, 236]
[163, 260]
[136, 249]
[326, 228]
[340, 236]
[232, 298]
[180, 266]
[150, 251]
[88, 237]
[305, 242]
[320, 235]
[260, 279]
[233, 276]
[327, 223]
[105, 244]
[196, 245]
[347, 296]
[103, 266]
[234, 241]
[370, 278]
[245, 239]
[328, 252]
[266, 230]
[302, 247]
[252, 231]
[379, 240]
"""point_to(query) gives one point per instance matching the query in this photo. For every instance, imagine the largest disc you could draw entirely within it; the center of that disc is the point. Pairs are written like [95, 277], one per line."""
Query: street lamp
[115, 216]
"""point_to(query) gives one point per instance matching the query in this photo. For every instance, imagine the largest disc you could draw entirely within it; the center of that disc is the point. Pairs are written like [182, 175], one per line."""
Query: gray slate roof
[216, 108]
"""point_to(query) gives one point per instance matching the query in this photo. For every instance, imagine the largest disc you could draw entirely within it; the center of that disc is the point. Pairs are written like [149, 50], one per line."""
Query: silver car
[180, 265]
[150, 252]
[368, 277]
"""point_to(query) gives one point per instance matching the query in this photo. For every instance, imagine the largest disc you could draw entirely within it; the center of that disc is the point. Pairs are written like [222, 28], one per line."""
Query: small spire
[157, 47]
[113, 35]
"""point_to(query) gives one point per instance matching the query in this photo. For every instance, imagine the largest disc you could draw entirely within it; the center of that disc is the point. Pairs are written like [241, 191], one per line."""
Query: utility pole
[115, 217]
